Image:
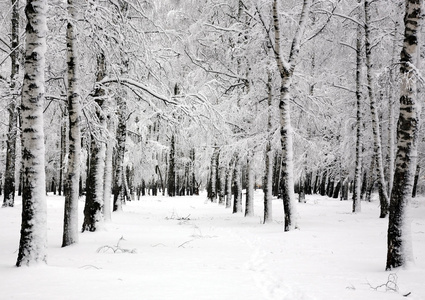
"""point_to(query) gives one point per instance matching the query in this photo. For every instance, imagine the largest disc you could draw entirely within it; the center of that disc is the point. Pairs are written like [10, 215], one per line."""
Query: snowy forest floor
[189, 248]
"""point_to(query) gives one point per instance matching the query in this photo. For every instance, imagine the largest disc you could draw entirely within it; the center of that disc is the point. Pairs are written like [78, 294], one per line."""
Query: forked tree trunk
[70, 225]
[9, 174]
[286, 71]
[33, 240]
[375, 118]
[399, 240]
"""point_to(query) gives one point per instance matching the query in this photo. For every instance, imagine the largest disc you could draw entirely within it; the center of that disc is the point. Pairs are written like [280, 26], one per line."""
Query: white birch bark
[359, 96]
[268, 174]
[33, 241]
[107, 181]
[286, 71]
[399, 239]
[375, 118]
[70, 228]
[249, 202]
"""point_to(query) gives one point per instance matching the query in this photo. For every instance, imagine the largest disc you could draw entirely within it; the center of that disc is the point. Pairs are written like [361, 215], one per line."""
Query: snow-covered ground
[189, 248]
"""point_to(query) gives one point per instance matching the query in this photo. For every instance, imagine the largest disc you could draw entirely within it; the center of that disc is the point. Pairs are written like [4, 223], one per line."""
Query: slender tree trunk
[70, 225]
[359, 97]
[120, 151]
[221, 184]
[268, 174]
[391, 117]
[107, 181]
[213, 175]
[375, 118]
[171, 170]
[229, 180]
[399, 240]
[94, 185]
[9, 176]
[249, 203]
[237, 183]
[33, 240]
[63, 149]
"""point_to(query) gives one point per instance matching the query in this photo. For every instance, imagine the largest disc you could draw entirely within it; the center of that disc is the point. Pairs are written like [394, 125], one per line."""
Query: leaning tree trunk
[374, 113]
[94, 188]
[9, 174]
[359, 97]
[70, 225]
[399, 242]
[33, 241]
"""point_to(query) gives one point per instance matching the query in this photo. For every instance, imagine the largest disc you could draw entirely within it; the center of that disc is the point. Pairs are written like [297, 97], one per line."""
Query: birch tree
[9, 174]
[399, 242]
[374, 112]
[286, 71]
[70, 226]
[33, 241]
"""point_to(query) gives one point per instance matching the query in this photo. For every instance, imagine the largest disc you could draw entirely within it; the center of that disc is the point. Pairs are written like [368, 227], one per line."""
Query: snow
[190, 248]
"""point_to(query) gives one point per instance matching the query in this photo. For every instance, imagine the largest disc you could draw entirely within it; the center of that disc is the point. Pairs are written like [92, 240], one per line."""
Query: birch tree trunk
[237, 185]
[229, 181]
[221, 183]
[213, 174]
[391, 116]
[171, 186]
[286, 71]
[33, 240]
[63, 149]
[119, 189]
[399, 240]
[249, 202]
[359, 97]
[107, 180]
[375, 118]
[268, 175]
[9, 174]
[94, 188]
[70, 226]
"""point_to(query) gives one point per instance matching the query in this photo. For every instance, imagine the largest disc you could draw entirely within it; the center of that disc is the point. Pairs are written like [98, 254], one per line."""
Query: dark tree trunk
[171, 170]
[415, 183]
